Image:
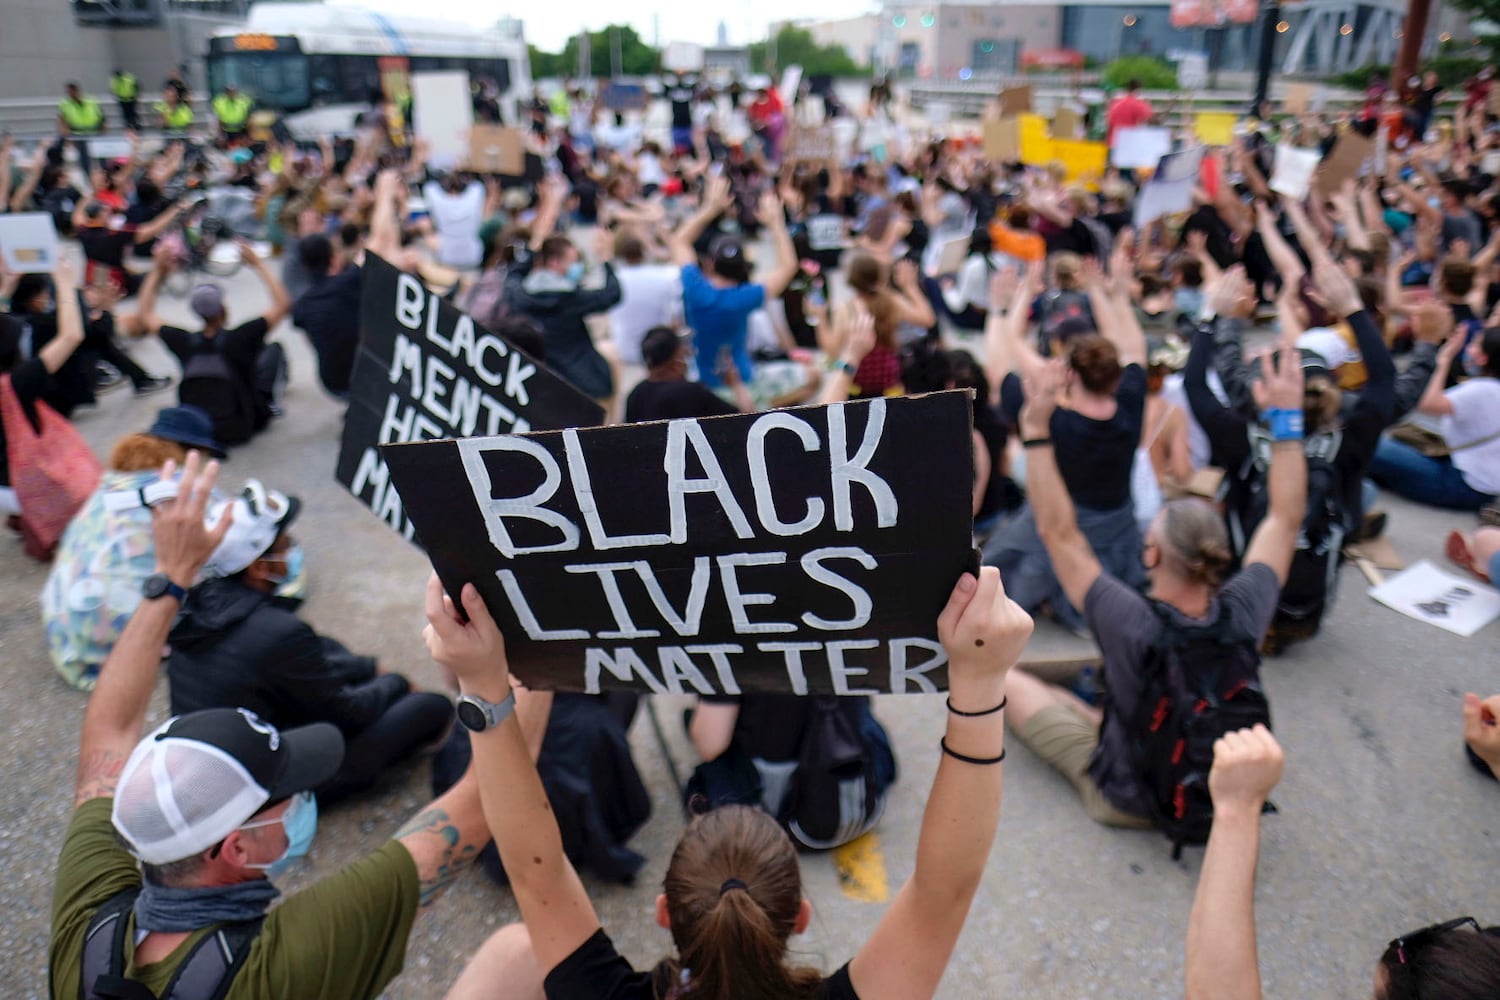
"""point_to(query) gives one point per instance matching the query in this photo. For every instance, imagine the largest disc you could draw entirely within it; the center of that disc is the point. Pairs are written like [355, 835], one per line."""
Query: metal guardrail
[30, 119]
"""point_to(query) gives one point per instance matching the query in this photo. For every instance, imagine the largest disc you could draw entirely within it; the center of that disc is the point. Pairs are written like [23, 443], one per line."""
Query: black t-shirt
[596, 971]
[1093, 456]
[139, 213]
[240, 345]
[671, 400]
[28, 380]
[103, 245]
[328, 313]
[1075, 238]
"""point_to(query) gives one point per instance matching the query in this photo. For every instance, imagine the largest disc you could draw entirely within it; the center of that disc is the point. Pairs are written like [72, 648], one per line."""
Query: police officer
[126, 88]
[79, 116]
[232, 109]
[175, 113]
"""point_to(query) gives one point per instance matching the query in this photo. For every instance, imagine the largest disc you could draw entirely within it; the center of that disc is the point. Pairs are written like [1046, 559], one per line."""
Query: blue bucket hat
[187, 425]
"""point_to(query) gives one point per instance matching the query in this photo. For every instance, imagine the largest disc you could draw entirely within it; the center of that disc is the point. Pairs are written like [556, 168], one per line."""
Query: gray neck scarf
[162, 909]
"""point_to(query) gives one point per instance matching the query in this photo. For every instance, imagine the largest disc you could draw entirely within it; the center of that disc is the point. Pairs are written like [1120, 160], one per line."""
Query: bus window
[323, 79]
[275, 79]
[359, 79]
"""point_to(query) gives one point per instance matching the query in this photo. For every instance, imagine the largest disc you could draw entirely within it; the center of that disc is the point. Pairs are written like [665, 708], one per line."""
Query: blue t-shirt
[718, 318]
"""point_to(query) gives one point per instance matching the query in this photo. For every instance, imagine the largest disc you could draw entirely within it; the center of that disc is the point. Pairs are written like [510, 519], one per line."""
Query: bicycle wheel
[179, 283]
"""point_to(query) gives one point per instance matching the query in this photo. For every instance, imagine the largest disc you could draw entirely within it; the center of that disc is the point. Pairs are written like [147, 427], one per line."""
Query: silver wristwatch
[477, 715]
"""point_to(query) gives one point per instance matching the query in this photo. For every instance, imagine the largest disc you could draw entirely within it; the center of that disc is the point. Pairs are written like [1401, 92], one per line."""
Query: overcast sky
[681, 20]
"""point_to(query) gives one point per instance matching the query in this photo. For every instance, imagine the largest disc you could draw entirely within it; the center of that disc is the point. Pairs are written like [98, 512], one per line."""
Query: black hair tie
[732, 883]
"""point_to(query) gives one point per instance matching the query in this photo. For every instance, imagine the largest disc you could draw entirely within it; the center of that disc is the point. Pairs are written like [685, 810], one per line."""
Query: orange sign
[255, 43]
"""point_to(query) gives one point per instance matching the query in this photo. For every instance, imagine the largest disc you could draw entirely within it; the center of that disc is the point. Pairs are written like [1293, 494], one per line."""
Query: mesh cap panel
[177, 798]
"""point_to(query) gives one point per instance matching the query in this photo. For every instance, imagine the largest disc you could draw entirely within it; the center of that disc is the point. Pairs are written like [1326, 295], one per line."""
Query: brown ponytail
[1196, 541]
[867, 276]
[734, 892]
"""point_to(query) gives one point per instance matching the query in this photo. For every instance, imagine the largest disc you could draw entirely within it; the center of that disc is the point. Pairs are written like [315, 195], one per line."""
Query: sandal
[1457, 551]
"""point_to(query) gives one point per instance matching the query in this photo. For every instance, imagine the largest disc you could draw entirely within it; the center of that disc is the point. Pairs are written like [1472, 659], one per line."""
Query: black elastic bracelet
[1004, 700]
[1035, 442]
[943, 742]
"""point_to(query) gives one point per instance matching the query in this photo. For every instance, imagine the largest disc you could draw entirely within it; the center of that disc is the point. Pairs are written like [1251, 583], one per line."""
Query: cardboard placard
[1344, 162]
[28, 243]
[1002, 140]
[1140, 148]
[1293, 171]
[951, 256]
[1215, 128]
[815, 143]
[442, 114]
[426, 371]
[1036, 141]
[1016, 101]
[1299, 98]
[495, 149]
[1066, 123]
[803, 551]
[1084, 160]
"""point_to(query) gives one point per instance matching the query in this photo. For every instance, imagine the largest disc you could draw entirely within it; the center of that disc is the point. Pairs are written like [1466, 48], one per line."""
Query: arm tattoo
[98, 773]
[441, 853]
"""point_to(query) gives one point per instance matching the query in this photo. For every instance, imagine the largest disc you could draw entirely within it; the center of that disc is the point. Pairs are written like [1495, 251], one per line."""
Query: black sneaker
[151, 384]
[106, 377]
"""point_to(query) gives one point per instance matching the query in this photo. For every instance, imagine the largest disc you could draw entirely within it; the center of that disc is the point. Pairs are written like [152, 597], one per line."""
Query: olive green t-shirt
[342, 938]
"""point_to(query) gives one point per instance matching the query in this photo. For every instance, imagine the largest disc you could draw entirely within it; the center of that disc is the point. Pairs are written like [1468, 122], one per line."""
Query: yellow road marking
[861, 867]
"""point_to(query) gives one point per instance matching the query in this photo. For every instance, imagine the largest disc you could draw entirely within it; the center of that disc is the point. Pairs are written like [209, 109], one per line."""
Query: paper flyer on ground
[1458, 604]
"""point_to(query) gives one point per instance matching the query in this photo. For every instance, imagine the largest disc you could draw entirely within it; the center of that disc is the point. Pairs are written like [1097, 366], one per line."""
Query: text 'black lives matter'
[426, 371]
[806, 550]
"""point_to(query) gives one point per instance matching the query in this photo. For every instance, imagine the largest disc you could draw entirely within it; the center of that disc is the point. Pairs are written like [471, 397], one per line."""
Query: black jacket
[561, 313]
[233, 647]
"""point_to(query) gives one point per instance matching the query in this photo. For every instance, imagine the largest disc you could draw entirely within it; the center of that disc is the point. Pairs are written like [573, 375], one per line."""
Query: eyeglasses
[1413, 940]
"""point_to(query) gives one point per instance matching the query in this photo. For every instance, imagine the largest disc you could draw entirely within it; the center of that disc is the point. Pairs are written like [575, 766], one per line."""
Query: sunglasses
[1414, 940]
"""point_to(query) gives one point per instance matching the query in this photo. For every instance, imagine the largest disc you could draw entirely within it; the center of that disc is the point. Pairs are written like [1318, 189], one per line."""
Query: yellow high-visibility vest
[232, 111]
[81, 116]
[124, 86]
[178, 119]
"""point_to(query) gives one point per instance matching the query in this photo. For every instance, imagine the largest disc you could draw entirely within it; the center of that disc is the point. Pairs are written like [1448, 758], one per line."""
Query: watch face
[154, 585]
[472, 717]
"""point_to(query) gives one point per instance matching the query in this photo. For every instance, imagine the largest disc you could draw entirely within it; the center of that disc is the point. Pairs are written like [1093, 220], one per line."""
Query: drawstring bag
[52, 470]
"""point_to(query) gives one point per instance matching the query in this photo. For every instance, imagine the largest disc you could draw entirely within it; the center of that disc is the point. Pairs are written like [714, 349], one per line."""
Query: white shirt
[650, 295]
[1172, 391]
[1476, 415]
[457, 218]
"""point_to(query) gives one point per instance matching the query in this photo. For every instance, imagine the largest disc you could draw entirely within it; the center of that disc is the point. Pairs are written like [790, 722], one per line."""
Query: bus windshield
[275, 79]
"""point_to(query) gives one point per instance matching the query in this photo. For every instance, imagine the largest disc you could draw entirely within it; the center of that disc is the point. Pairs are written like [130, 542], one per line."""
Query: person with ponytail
[733, 894]
[892, 301]
[1187, 559]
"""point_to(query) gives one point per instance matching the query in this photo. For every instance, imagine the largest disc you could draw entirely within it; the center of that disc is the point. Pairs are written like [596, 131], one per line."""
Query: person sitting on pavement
[105, 554]
[732, 895]
[547, 287]
[229, 372]
[179, 834]
[329, 311]
[1187, 558]
[666, 394]
[233, 646]
[1454, 960]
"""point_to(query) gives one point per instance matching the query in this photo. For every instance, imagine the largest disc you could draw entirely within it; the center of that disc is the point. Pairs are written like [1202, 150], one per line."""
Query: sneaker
[1371, 528]
[151, 384]
[107, 377]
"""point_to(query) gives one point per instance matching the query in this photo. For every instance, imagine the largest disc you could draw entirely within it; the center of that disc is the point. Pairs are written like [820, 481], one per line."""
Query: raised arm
[117, 708]
[552, 899]
[773, 217]
[385, 228]
[1024, 359]
[1005, 283]
[857, 338]
[716, 199]
[69, 320]
[158, 225]
[912, 306]
[281, 301]
[1221, 953]
[1114, 317]
[983, 633]
[1073, 559]
[1435, 401]
[1278, 395]
[22, 196]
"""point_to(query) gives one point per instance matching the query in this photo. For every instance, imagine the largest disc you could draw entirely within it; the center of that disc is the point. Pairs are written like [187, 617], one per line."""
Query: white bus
[319, 65]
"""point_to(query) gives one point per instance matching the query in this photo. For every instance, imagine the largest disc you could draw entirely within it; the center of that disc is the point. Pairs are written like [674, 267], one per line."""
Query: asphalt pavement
[1383, 826]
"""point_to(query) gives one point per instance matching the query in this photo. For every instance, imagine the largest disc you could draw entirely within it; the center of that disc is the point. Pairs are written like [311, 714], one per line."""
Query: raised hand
[1247, 765]
[982, 630]
[473, 650]
[183, 538]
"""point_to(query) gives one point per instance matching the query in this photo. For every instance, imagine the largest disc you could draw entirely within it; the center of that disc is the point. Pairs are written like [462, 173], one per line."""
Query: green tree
[797, 47]
[1486, 16]
[1153, 73]
[546, 64]
[636, 57]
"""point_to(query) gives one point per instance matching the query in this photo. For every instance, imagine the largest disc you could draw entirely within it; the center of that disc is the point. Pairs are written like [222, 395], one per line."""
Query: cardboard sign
[1299, 98]
[1066, 123]
[625, 97]
[1084, 160]
[1036, 141]
[1215, 128]
[1344, 162]
[951, 257]
[495, 149]
[426, 371]
[1002, 140]
[1140, 148]
[804, 551]
[816, 143]
[1293, 171]
[1016, 101]
[28, 243]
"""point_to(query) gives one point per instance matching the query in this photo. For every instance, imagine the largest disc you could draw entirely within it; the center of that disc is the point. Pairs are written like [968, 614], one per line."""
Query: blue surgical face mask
[292, 558]
[300, 820]
[575, 272]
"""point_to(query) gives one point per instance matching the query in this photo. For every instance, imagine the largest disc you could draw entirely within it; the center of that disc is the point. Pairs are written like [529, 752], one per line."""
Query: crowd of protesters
[1180, 425]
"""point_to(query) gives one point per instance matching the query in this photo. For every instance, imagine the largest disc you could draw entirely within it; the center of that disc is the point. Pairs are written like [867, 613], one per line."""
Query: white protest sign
[1293, 173]
[1457, 604]
[28, 243]
[442, 114]
[1192, 71]
[790, 81]
[1140, 148]
[682, 57]
[1170, 189]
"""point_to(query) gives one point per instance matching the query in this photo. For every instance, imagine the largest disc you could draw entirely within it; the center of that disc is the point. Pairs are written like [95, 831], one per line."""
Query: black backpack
[211, 383]
[1309, 587]
[1198, 683]
[833, 795]
[206, 973]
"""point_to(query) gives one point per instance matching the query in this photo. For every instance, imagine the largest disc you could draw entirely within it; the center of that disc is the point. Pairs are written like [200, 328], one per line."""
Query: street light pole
[1270, 16]
[1414, 31]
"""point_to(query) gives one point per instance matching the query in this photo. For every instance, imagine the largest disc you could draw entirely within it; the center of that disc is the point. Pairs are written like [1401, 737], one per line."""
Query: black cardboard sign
[426, 371]
[806, 550]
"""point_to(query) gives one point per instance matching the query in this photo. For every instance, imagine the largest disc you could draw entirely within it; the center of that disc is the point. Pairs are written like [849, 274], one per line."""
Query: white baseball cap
[260, 515]
[1329, 345]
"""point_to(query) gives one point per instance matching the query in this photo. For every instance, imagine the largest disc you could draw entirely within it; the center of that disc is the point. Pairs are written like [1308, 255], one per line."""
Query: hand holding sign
[473, 649]
[983, 632]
